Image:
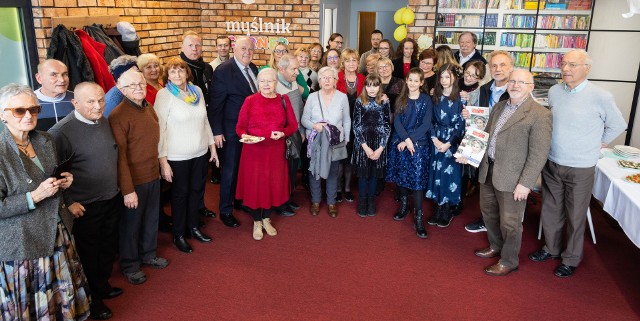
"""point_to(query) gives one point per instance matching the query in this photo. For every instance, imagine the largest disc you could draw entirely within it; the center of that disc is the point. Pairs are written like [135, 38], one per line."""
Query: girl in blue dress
[408, 162]
[445, 174]
[371, 128]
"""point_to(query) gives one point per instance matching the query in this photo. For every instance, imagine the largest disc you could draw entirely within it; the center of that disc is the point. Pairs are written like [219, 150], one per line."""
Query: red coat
[341, 85]
[95, 53]
[263, 178]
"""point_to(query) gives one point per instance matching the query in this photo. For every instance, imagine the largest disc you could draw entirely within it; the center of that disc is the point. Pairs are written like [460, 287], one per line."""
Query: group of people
[102, 171]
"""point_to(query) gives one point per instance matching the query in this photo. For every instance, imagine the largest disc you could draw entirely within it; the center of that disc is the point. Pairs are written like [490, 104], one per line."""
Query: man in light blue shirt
[585, 118]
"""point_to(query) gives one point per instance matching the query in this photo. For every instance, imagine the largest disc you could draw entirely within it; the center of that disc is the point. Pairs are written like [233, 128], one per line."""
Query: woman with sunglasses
[41, 273]
[278, 51]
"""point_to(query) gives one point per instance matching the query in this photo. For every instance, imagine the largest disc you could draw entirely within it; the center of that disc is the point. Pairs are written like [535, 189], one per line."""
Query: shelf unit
[536, 32]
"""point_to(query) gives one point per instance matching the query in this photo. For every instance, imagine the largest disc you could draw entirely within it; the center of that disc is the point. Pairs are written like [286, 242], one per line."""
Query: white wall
[614, 45]
[342, 26]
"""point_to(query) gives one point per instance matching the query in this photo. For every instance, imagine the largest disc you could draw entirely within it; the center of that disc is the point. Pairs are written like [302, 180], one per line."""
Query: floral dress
[444, 173]
[406, 170]
[370, 124]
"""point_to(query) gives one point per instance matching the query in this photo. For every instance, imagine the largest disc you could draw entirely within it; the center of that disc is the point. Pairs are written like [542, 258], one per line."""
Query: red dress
[263, 178]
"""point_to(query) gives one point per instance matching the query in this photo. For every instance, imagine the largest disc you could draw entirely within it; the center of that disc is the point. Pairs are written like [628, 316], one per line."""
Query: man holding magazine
[519, 141]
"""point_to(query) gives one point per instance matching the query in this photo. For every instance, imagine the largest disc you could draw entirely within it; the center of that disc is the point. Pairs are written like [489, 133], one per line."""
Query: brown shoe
[333, 210]
[315, 209]
[499, 270]
[487, 253]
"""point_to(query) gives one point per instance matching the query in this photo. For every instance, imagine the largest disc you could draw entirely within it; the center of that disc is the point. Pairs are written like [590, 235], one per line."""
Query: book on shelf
[473, 146]
[579, 4]
[519, 21]
[564, 22]
[533, 4]
[556, 5]
[560, 41]
[478, 117]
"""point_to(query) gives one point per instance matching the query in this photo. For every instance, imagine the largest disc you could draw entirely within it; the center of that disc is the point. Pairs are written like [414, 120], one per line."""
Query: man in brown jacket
[519, 141]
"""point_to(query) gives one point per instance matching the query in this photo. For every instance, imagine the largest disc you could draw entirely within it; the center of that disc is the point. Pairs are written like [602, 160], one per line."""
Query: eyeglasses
[467, 74]
[281, 51]
[384, 67]
[571, 65]
[519, 82]
[339, 42]
[19, 112]
[140, 85]
[332, 58]
[315, 50]
[326, 78]
[424, 62]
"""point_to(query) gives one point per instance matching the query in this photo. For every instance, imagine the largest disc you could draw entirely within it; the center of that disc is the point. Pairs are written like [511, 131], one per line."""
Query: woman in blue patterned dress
[371, 130]
[408, 162]
[445, 175]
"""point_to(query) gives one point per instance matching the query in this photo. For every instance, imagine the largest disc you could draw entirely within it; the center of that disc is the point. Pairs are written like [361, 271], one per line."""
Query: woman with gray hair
[327, 120]
[117, 67]
[42, 277]
[265, 120]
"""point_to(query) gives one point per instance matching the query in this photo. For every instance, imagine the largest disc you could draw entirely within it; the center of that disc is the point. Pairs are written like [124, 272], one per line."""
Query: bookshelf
[535, 32]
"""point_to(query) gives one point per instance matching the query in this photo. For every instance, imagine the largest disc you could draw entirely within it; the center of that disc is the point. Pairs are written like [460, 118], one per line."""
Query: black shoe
[206, 212]
[240, 207]
[198, 235]
[182, 244]
[100, 312]
[565, 271]
[214, 180]
[446, 216]
[404, 209]
[348, 196]
[435, 216]
[229, 220]
[457, 209]
[362, 207]
[541, 255]
[339, 197]
[285, 211]
[418, 224]
[112, 293]
[476, 227]
[371, 206]
[293, 205]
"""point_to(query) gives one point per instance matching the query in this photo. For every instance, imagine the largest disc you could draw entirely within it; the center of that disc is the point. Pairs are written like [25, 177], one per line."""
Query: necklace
[25, 147]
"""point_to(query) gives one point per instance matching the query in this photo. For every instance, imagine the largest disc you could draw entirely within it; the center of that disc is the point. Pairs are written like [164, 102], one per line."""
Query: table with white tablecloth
[621, 199]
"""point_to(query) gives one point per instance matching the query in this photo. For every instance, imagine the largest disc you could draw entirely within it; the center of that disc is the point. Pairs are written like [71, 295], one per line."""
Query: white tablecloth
[621, 199]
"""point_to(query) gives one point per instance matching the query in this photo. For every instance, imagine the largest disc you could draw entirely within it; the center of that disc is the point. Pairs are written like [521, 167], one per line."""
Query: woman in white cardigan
[185, 136]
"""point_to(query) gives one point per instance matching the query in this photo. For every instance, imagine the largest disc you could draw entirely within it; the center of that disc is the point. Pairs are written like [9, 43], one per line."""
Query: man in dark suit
[519, 141]
[500, 65]
[232, 82]
[468, 42]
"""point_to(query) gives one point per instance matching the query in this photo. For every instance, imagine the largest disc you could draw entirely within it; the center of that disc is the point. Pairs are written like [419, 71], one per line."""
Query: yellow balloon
[400, 33]
[397, 17]
[408, 16]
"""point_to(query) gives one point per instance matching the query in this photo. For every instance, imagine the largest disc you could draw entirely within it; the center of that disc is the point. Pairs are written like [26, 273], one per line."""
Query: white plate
[252, 140]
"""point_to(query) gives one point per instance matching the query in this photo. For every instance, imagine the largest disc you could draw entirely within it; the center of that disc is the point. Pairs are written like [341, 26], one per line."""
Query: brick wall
[425, 11]
[160, 24]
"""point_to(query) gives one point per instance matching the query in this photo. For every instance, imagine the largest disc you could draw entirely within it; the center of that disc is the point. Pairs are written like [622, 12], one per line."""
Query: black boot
[446, 216]
[418, 224]
[457, 209]
[404, 209]
[371, 206]
[435, 216]
[362, 206]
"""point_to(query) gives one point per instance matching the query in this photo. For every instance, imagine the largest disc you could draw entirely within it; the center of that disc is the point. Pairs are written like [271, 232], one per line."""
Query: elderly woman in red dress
[265, 119]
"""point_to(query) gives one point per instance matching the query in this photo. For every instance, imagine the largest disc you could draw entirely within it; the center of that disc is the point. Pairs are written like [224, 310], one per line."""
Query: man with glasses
[53, 96]
[376, 37]
[519, 138]
[137, 133]
[233, 81]
[585, 118]
[468, 42]
[223, 47]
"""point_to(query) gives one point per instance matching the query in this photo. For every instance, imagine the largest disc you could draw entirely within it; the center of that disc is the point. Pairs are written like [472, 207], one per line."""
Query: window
[18, 55]
[330, 18]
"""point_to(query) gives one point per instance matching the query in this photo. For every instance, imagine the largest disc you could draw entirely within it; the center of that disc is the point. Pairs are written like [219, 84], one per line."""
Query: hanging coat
[95, 53]
[66, 47]
[112, 51]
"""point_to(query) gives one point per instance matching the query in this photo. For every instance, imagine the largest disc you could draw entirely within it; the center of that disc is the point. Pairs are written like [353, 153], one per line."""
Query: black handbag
[290, 151]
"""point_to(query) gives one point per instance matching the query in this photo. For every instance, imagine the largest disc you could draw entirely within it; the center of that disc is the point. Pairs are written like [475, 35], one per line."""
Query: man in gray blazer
[519, 141]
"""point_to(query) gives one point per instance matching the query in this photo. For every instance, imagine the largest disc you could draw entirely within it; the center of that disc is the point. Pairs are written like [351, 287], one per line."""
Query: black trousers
[229, 173]
[187, 190]
[96, 237]
[139, 228]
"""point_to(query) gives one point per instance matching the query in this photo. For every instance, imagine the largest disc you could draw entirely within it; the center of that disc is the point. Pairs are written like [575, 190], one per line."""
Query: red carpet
[352, 268]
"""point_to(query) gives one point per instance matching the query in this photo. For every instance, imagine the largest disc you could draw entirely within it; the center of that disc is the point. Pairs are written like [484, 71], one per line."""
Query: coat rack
[73, 23]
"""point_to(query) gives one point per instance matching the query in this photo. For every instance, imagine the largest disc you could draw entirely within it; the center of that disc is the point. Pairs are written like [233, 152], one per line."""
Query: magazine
[478, 117]
[473, 146]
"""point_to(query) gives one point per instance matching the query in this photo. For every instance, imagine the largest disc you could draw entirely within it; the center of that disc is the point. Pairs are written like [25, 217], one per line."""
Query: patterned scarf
[190, 97]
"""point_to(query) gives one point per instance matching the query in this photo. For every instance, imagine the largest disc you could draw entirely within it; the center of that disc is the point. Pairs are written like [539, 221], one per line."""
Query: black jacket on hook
[112, 51]
[66, 47]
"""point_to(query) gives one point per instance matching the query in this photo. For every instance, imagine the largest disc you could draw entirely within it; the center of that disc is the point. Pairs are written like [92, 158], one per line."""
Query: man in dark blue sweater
[53, 96]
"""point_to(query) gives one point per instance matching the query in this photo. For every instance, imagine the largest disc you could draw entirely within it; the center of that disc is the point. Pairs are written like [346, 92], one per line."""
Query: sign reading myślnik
[253, 28]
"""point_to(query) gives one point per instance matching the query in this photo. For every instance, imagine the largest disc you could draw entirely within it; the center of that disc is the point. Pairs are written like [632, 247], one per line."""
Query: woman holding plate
[265, 120]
